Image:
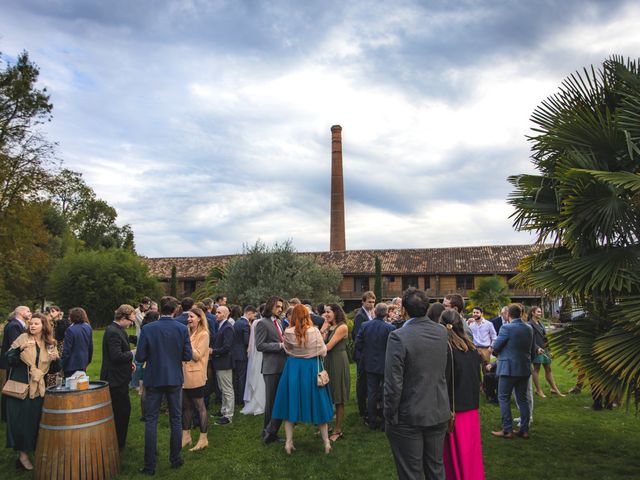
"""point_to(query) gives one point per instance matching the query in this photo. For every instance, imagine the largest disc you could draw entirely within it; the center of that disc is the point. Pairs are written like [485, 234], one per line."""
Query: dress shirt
[483, 333]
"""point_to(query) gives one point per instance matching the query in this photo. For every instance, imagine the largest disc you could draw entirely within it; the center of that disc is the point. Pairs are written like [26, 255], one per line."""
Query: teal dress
[23, 416]
[337, 366]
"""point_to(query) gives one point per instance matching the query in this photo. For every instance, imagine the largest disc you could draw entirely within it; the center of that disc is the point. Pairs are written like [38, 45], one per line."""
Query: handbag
[15, 389]
[322, 376]
[451, 423]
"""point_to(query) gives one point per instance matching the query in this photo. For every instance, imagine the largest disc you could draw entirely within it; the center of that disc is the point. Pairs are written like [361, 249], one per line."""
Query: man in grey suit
[515, 349]
[269, 341]
[416, 400]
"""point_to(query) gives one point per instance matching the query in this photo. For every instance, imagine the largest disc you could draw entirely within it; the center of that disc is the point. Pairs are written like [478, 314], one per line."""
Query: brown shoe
[523, 435]
[502, 434]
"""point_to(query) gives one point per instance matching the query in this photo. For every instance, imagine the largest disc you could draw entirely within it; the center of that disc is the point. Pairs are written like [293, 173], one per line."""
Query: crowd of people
[420, 371]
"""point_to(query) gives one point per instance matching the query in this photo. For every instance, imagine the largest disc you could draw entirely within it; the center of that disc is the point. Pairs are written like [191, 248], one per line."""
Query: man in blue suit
[186, 304]
[223, 364]
[241, 331]
[164, 345]
[371, 345]
[515, 349]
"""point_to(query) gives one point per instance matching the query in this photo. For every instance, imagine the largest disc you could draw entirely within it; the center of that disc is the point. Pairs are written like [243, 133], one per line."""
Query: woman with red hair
[299, 398]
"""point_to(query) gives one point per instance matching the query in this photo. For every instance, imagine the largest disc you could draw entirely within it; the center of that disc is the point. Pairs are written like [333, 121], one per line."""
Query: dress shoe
[523, 435]
[502, 434]
[268, 438]
[223, 421]
[147, 471]
[177, 464]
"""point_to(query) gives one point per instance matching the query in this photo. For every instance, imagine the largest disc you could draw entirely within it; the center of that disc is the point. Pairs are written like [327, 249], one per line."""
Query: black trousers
[361, 389]
[417, 451]
[121, 404]
[271, 427]
[374, 397]
[239, 380]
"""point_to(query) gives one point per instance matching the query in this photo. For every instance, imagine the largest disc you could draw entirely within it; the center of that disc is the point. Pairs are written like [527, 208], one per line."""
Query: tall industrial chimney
[337, 241]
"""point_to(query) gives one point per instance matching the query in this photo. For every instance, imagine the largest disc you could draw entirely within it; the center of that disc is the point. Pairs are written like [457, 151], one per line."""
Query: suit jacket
[497, 323]
[241, 332]
[415, 374]
[213, 327]
[222, 359]
[195, 371]
[116, 356]
[77, 351]
[182, 318]
[269, 342]
[317, 320]
[164, 345]
[12, 330]
[514, 348]
[371, 344]
[358, 320]
[539, 336]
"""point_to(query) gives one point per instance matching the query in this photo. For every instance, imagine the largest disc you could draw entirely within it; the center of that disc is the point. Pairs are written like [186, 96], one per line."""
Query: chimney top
[336, 127]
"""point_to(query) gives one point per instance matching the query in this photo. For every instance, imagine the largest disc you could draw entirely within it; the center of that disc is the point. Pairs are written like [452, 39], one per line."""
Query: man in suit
[363, 315]
[269, 341]
[186, 303]
[117, 367]
[456, 302]
[164, 345]
[371, 345]
[223, 364]
[500, 319]
[12, 330]
[515, 349]
[241, 332]
[416, 400]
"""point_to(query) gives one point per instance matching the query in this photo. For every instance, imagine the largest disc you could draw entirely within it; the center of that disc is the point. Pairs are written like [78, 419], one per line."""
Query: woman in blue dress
[299, 399]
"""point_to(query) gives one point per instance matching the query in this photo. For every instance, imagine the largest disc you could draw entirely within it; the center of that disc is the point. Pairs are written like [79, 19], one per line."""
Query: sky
[206, 124]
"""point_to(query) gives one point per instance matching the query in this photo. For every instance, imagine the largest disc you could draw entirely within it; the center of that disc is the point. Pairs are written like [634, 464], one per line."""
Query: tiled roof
[502, 259]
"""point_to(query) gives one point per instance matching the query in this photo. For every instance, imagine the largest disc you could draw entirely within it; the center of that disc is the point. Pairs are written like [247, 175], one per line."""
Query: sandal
[337, 435]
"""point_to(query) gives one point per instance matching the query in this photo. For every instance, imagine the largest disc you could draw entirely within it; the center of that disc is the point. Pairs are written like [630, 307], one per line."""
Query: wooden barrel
[77, 436]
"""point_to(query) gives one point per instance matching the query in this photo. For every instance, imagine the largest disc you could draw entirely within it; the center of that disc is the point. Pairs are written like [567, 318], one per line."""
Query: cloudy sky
[207, 123]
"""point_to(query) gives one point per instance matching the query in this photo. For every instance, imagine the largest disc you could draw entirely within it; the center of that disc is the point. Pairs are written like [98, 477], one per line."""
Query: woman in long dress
[462, 455]
[254, 391]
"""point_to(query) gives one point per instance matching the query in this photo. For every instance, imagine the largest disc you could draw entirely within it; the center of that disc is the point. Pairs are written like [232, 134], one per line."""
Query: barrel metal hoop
[75, 427]
[77, 410]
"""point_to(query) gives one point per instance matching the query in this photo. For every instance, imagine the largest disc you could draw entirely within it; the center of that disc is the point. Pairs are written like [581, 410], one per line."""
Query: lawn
[568, 441]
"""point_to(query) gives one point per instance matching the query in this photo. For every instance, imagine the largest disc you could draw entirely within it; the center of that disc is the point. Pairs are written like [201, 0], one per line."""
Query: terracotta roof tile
[502, 259]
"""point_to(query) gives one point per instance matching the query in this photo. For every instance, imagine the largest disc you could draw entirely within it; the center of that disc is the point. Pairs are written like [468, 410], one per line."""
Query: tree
[173, 283]
[491, 294]
[586, 201]
[100, 281]
[24, 153]
[377, 286]
[262, 271]
[210, 284]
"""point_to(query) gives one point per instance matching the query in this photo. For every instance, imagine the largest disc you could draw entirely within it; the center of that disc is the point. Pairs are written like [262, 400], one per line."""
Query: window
[427, 282]
[360, 284]
[464, 282]
[189, 287]
[409, 281]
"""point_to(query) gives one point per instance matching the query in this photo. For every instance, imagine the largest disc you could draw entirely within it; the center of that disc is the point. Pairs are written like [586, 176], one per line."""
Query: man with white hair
[12, 330]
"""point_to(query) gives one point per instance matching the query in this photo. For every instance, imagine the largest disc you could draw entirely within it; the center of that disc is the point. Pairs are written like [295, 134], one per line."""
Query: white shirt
[483, 333]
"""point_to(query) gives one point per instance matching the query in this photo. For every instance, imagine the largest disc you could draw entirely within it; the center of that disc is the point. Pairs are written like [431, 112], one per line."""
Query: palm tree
[492, 293]
[584, 207]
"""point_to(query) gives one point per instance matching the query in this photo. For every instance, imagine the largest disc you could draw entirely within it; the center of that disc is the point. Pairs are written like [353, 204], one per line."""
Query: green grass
[568, 441]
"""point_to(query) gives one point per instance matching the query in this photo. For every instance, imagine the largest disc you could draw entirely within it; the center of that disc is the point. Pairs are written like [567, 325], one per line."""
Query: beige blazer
[195, 371]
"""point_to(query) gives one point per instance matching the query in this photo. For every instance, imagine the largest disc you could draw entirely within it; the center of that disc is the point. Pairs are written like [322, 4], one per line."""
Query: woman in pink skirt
[462, 447]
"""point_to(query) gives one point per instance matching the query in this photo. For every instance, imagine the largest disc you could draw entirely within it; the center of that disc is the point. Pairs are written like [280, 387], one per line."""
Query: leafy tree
[210, 284]
[377, 286]
[263, 271]
[586, 201]
[491, 294]
[24, 153]
[100, 281]
[173, 283]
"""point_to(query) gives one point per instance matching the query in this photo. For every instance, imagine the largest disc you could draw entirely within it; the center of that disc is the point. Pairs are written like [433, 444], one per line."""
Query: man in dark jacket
[164, 345]
[12, 330]
[363, 315]
[223, 364]
[241, 332]
[371, 345]
[416, 400]
[117, 367]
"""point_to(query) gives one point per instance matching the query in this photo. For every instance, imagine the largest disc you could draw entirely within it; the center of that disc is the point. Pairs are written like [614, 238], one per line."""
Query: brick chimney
[337, 240]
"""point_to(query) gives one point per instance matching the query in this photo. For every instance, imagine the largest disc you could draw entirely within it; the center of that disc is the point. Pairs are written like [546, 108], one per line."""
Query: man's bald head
[23, 313]
[222, 313]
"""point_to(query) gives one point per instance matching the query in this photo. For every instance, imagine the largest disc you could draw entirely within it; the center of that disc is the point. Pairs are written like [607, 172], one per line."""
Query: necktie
[275, 322]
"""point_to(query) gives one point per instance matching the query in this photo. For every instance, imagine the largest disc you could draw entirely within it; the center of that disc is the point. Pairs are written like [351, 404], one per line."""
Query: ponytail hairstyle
[457, 337]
